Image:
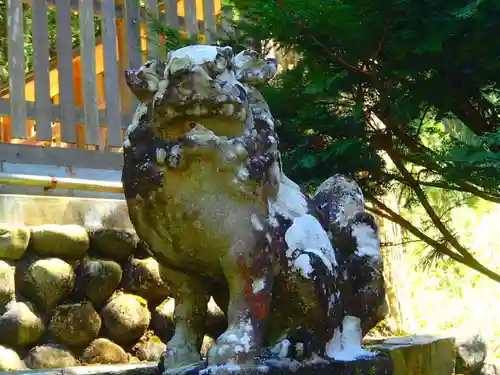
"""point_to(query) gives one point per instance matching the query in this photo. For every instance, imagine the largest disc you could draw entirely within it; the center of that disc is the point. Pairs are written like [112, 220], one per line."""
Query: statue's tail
[341, 202]
[356, 240]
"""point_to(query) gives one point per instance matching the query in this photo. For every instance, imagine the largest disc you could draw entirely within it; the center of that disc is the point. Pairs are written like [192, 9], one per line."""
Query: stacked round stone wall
[72, 296]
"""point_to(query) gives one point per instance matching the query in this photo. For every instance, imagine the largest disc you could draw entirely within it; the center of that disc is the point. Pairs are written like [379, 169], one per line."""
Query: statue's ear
[251, 68]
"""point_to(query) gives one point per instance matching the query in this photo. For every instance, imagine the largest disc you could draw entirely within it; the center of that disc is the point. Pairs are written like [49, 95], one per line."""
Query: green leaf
[467, 11]
[308, 162]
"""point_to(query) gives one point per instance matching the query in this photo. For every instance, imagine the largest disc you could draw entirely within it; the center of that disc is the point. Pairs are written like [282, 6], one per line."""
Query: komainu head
[201, 84]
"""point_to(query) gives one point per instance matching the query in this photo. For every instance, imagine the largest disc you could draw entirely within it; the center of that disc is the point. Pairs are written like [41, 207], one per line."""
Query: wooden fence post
[87, 40]
[42, 80]
[15, 23]
[66, 72]
[111, 74]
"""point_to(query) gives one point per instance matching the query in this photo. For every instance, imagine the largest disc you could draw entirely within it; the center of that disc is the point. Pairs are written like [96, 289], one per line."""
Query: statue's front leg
[191, 298]
[250, 280]
[362, 290]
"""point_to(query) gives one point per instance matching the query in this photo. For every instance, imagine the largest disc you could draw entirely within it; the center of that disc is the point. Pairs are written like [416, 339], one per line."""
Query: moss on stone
[47, 282]
[7, 282]
[126, 317]
[419, 355]
[117, 244]
[162, 319]
[149, 347]
[10, 360]
[50, 356]
[99, 279]
[63, 241]
[143, 277]
[20, 325]
[104, 351]
[75, 324]
[14, 241]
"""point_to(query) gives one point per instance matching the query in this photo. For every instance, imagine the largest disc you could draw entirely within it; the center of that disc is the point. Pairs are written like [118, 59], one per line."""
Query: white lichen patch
[139, 114]
[190, 56]
[223, 369]
[307, 234]
[367, 240]
[161, 154]
[321, 254]
[346, 345]
[282, 348]
[245, 341]
[289, 203]
[258, 285]
[303, 264]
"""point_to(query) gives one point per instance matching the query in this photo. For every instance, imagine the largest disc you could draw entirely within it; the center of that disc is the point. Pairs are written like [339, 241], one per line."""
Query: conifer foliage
[402, 95]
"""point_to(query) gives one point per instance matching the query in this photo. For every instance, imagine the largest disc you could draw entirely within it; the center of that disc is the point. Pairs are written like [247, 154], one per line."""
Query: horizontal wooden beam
[55, 113]
[66, 183]
[60, 157]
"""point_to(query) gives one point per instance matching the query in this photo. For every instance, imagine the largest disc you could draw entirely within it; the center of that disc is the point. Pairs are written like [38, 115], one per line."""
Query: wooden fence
[80, 104]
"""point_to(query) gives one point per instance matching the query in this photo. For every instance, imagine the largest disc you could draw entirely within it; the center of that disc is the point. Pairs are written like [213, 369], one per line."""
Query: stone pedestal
[417, 355]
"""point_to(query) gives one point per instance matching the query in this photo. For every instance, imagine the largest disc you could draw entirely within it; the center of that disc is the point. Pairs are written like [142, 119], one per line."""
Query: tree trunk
[395, 268]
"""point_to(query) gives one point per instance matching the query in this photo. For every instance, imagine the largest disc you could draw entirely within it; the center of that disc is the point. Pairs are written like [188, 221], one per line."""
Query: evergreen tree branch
[384, 211]
[425, 158]
[422, 197]
[467, 257]
[306, 31]
[399, 243]
[449, 186]
[416, 70]
[384, 34]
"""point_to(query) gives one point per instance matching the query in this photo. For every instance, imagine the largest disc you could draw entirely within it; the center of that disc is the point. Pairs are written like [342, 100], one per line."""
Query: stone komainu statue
[206, 191]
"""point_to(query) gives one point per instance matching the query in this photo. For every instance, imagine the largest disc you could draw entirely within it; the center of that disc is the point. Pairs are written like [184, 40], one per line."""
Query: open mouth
[226, 119]
[229, 111]
[218, 101]
[223, 113]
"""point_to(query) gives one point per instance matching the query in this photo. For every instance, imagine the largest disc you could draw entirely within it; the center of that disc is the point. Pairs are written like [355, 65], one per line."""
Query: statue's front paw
[180, 361]
[235, 346]
[345, 344]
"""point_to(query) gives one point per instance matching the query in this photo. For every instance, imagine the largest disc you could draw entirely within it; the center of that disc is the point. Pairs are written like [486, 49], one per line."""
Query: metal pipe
[49, 183]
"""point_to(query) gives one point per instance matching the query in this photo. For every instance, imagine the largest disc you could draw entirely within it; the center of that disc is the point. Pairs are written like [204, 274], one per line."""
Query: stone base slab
[415, 355]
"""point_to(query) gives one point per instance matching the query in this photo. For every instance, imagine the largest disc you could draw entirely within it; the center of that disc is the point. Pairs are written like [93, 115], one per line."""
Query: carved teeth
[169, 112]
[241, 114]
[228, 109]
[160, 155]
[197, 110]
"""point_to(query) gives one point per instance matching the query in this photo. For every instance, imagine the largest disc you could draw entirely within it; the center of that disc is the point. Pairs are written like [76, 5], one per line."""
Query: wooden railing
[77, 105]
